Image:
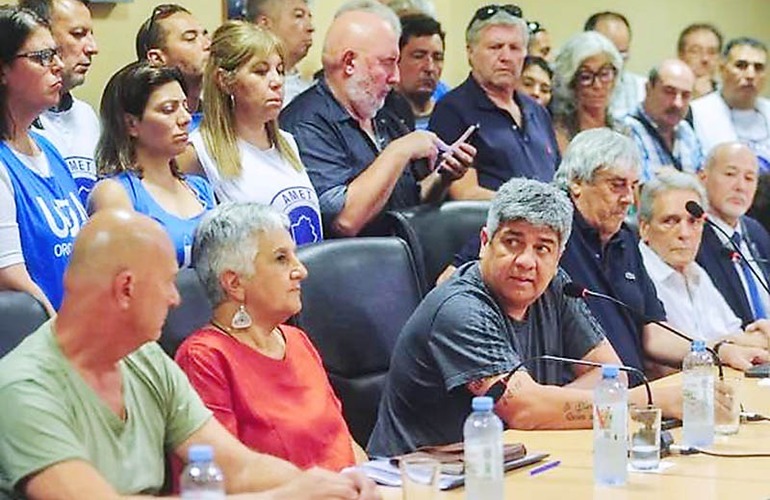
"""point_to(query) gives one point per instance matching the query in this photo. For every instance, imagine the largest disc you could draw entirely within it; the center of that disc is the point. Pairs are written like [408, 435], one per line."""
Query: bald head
[730, 176]
[360, 60]
[669, 90]
[113, 241]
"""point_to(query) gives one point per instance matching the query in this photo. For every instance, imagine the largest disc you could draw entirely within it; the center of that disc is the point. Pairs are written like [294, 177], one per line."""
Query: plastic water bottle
[698, 396]
[610, 428]
[202, 479]
[483, 447]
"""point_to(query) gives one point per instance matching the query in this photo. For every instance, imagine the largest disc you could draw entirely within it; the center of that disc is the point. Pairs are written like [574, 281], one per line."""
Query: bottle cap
[610, 371]
[482, 403]
[698, 345]
[200, 453]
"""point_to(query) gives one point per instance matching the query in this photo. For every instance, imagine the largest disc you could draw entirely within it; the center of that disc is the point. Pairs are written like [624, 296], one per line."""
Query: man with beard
[292, 22]
[737, 112]
[173, 37]
[72, 126]
[516, 137]
[360, 159]
[658, 125]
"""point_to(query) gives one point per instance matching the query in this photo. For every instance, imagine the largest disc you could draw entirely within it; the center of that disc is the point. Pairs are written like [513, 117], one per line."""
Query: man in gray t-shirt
[470, 332]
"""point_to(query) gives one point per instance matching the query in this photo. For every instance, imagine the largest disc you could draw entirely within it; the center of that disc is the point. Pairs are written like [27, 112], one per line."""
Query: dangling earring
[241, 319]
[232, 100]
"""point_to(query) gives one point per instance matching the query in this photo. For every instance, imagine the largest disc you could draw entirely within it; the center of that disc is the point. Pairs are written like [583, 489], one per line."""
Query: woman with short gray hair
[262, 379]
[586, 70]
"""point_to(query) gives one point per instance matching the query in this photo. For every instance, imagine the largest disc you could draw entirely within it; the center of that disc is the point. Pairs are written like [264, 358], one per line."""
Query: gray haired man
[471, 331]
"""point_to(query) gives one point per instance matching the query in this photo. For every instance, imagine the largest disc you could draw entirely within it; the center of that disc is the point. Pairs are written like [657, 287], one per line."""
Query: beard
[360, 92]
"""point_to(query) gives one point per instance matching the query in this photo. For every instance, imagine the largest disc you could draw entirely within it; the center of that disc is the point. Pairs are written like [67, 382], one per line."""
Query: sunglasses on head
[488, 11]
[534, 27]
[43, 57]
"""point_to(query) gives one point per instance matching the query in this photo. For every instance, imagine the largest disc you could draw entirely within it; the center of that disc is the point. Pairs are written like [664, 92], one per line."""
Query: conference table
[697, 476]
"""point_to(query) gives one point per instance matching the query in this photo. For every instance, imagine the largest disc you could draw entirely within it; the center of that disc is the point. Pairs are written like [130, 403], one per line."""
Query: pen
[544, 467]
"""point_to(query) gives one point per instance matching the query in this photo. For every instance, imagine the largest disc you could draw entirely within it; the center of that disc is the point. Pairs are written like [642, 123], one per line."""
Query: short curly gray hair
[225, 240]
[534, 202]
[668, 179]
[592, 150]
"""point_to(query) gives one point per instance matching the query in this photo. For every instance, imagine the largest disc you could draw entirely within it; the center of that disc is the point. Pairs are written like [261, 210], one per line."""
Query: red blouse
[285, 408]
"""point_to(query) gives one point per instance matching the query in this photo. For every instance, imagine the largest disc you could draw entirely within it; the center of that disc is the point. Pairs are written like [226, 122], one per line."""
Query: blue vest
[180, 230]
[49, 215]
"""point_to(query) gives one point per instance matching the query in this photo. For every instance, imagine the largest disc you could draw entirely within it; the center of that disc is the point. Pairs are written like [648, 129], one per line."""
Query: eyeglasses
[534, 27]
[586, 78]
[488, 11]
[43, 57]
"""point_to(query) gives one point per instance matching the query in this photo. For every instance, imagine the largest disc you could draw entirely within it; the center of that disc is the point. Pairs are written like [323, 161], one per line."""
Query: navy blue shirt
[505, 150]
[335, 151]
[616, 269]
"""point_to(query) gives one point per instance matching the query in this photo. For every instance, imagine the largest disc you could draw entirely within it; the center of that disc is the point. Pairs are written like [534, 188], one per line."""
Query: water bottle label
[482, 462]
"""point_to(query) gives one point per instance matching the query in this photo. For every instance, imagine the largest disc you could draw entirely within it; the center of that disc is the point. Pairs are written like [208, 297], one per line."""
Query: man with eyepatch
[736, 112]
[516, 137]
[72, 126]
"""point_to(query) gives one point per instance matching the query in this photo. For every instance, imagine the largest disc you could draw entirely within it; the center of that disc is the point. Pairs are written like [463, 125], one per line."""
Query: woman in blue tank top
[144, 127]
[40, 212]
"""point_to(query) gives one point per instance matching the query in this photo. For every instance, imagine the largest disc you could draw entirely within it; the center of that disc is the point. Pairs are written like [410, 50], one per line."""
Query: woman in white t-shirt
[238, 145]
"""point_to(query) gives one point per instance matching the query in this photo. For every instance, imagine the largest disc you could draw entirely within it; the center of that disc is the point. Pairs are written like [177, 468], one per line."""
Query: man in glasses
[359, 156]
[736, 112]
[629, 91]
[658, 125]
[72, 126]
[173, 37]
[292, 22]
[516, 137]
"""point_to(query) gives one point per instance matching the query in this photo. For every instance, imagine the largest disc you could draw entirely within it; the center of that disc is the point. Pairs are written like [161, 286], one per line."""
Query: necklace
[275, 332]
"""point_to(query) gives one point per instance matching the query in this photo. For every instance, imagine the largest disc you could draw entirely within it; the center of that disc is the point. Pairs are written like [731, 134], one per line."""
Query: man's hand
[742, 357]
[669, 399]
[758, 332]
[419, 144]
[455, 162]
[320, 484]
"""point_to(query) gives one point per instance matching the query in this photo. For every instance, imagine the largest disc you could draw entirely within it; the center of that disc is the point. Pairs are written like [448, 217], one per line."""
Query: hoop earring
[241, 319]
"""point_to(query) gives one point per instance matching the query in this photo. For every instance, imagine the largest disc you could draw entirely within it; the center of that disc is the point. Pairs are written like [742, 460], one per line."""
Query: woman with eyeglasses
[585, 71]
[40, 211]
[239, 146]
[144, 127]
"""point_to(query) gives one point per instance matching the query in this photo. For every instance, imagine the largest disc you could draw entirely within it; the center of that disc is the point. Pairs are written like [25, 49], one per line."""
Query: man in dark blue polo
[516, 137]
[600, 172]
[359, 158]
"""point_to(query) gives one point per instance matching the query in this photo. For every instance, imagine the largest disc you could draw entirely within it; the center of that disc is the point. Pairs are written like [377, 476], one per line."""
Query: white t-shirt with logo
[75, 133]
[268, 178]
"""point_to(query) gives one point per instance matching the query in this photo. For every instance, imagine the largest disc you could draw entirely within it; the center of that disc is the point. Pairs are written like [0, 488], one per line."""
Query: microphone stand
[497, 389]
[661, 324]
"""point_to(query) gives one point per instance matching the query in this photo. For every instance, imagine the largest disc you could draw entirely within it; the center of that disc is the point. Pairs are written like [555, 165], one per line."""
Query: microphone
[735, 257]
[497, 389]
[572, 289]
[694, 209]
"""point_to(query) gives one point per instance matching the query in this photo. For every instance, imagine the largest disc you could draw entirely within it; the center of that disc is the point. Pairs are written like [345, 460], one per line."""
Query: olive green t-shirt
[49, 414]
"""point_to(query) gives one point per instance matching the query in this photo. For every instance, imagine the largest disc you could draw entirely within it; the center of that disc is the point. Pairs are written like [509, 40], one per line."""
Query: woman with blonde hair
[239, 146]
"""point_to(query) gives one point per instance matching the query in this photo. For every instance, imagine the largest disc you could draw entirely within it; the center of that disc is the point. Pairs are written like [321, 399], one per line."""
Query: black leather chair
[20, 315]
[436, 233]
[193, 312]
[358, 294]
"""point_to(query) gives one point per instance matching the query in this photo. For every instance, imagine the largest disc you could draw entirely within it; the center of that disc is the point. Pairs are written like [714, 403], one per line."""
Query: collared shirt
[335, 150]
[686, 155]
[693, 304]
[614, 269]
[629, 93]
[504, 149]
[748, 251]
[294, 85]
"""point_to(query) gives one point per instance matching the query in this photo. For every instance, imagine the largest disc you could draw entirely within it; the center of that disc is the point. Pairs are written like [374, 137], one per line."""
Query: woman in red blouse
[262, 379]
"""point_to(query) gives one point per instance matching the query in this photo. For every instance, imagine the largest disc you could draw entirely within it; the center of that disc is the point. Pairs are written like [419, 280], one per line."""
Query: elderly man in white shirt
[670, 238]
